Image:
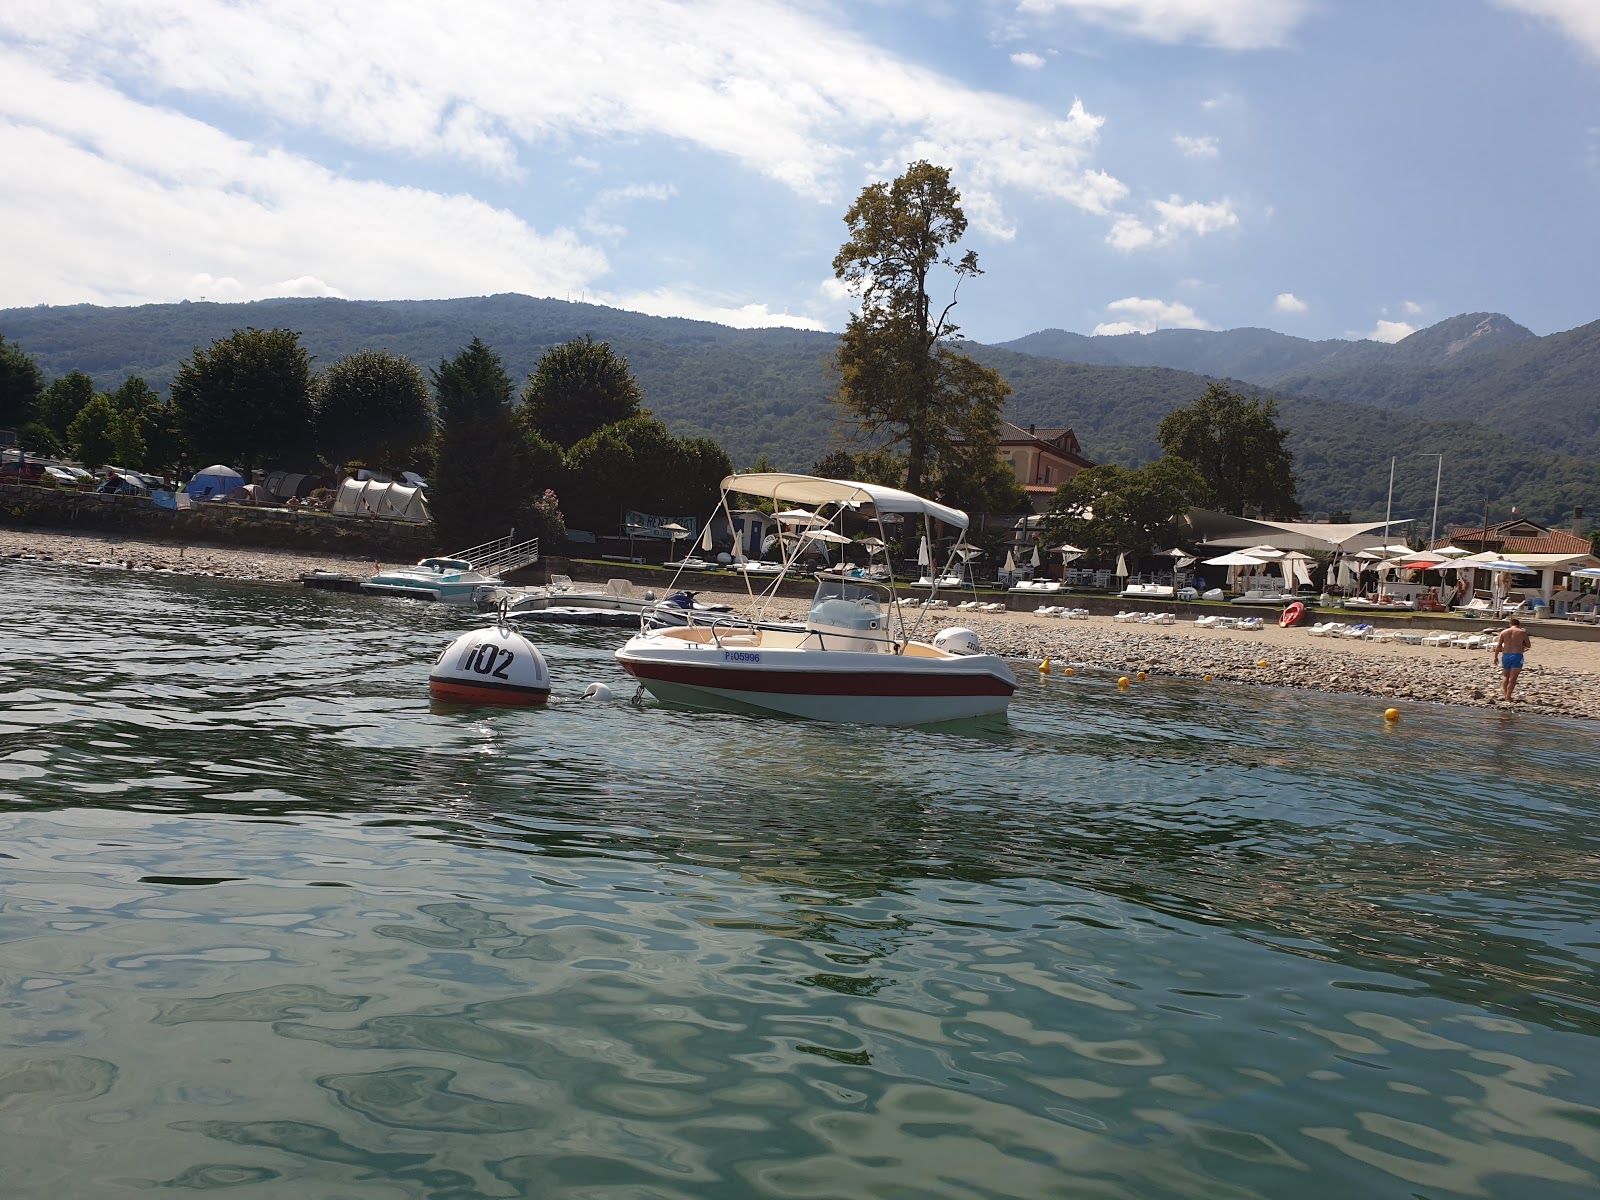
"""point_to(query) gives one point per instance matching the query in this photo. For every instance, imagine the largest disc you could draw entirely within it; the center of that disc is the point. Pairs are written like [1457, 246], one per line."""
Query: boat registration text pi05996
[741, 656]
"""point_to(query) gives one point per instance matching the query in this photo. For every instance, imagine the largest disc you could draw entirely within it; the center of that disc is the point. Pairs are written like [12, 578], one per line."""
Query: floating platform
[330, 581]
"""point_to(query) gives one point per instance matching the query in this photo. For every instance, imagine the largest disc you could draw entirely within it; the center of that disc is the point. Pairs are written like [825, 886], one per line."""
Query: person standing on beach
[1509, 649]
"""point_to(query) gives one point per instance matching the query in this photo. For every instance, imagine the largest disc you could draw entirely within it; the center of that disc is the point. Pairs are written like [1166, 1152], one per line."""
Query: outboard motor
[957, 640]
[681, 599]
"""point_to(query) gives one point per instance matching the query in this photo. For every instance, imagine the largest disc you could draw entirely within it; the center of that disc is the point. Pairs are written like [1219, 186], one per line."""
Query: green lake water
[273, 926]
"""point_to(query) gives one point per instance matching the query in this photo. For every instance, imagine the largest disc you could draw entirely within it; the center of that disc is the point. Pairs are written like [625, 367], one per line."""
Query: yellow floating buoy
[1262, 663]
[1139, 676]
[1044, 667]
[1207, 678]
[1391, 714]
[1123, 683]
[1066, 670]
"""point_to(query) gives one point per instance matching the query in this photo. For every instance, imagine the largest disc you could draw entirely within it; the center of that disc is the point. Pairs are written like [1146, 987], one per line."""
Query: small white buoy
[492, 665]
[598, 691]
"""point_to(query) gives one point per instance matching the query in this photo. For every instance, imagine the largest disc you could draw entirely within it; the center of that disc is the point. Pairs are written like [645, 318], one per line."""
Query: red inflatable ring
[1292, 614]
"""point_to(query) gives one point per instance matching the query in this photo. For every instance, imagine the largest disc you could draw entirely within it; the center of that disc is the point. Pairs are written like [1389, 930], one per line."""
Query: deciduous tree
[21, 385]
[899, 378]
[1109, 508]
[246, 399]
[637, 464]
[578, 387]
[63, 400]
[372, 407]
[1238, 448]
[89, 434]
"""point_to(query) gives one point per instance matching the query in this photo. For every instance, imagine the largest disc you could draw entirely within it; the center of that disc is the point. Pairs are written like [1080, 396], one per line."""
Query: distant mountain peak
[1462, 336]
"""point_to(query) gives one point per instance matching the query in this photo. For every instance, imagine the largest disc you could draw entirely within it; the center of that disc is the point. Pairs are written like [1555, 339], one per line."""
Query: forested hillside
[766, 391]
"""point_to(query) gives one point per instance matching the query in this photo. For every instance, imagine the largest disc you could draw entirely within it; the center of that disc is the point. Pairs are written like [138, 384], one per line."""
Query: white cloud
[1195, 147]
[1577, 20]
[1141, 315]
[1288, 302]
[124, 203]
[1027, 58]
[665, 302]
[1412, 308]
[1231, 24]
[1175, 217]
[780, 89]
[1387, 331]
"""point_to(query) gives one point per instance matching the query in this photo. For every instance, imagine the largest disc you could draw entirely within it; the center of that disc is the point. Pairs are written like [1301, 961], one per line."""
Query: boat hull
[857, 688]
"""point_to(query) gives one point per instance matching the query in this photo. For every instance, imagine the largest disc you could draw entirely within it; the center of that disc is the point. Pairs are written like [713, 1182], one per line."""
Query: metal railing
[501, 555]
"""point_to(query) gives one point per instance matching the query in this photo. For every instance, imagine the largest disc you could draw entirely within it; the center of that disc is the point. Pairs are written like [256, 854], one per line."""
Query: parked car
[26, 470]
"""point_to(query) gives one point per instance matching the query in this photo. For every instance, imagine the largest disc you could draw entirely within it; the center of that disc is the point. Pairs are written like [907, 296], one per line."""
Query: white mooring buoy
[598, 691]
[492, 665]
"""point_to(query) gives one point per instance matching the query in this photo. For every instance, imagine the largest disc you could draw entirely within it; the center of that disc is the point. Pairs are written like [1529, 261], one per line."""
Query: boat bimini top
[808, 489]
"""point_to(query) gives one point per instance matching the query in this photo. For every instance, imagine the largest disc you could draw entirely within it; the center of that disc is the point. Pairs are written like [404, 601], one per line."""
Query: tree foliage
[89, 434]
[637, 464]
[21, 385]
[1108, 509]
[578, 387]
[372, 407]
[246, 399]
[483, 482]
[63, 400]
[899, 380]
[1236, 445]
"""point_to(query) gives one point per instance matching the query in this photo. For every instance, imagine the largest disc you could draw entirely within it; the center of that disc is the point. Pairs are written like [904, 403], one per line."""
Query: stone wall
[44, 507]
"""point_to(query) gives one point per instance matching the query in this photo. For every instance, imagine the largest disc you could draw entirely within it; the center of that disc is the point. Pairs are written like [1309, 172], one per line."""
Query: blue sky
[1328, 168]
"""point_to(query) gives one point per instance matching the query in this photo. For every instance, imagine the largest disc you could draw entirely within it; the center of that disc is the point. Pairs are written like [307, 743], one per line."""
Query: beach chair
[968, 605]
[1048, 610]
[1476, 607]
[1229, 622]
[1207, 622]
[1322, 628]
[1438, 639]
[1251, 625]
[1410, 639]
[1362, 631]
[1076, 614]
[1125, 617]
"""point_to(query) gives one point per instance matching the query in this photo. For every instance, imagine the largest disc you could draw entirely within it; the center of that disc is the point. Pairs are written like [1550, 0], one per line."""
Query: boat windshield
[848, 603]
[445, 564]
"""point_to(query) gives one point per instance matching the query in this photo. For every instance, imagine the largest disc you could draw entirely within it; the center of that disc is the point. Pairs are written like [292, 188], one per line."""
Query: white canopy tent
[385, 501]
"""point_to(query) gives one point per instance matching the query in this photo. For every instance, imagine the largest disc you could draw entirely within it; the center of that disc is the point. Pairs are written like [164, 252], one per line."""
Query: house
[1042, 459]
[1518, 536]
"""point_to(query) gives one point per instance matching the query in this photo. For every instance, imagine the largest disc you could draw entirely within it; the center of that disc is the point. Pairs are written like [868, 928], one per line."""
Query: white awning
[1225, 529]
[808, 489]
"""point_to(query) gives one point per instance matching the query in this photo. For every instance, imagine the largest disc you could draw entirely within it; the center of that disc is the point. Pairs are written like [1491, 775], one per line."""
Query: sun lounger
[1251, 625]
[1076, 614]
[1207, 622]
[1438, 639]
[1323, 628]
[1476, 607]
[1161, 618]
[1229, 622]
[1362, 631]
[1048, 610]
[1127, 616]
[1410, 639]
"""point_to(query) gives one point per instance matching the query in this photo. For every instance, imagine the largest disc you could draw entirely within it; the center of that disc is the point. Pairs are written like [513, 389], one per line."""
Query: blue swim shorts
[1510, 661]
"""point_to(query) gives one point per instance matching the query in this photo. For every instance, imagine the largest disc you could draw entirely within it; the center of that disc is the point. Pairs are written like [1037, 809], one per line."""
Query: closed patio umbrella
[1122, 566]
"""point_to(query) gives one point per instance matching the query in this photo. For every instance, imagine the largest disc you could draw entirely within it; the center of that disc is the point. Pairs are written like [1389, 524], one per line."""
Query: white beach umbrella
[1235, 558]
[705, 538]
[923, 559]
[1036, 560]
[1011, 563]
[799, 516]
[1122, 566]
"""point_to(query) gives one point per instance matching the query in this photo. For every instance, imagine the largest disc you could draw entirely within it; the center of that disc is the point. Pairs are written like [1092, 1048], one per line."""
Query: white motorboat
[446, 580]
[855, 660]
[456, 578]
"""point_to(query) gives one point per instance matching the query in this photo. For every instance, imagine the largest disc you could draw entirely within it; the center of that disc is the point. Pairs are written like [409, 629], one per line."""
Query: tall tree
[21, 386]
[578, 387]
[63, 400]
[246, 399]
[373, 407]
[482, 482]
[1238, 448]
[133, 395]
[637, 464]
[164, 448]
[1107, 509]
[89, 434]
[899, 378]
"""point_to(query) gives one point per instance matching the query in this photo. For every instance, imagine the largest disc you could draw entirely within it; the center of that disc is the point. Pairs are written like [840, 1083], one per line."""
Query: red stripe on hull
[822, 683]
[468, 693]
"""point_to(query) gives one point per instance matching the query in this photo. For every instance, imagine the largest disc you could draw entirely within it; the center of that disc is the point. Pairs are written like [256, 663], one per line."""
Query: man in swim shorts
[1509, 648]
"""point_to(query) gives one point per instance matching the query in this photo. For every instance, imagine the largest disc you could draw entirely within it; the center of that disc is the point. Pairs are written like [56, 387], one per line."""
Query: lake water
[271, 926]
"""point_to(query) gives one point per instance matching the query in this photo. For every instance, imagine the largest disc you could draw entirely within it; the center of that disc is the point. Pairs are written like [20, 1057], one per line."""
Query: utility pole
[1388, 509]
[1438, 478]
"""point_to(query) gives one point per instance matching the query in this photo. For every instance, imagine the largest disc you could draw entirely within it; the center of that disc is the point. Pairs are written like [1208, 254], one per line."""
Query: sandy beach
[1562, 677]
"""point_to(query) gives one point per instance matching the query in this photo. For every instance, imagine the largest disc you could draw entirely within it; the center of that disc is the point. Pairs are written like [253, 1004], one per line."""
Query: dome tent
[213, 483]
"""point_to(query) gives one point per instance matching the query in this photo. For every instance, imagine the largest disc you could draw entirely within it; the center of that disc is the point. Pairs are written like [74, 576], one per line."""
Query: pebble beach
[1562, 677]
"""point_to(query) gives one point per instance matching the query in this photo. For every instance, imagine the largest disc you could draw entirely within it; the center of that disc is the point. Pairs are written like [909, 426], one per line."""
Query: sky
[1326, 168]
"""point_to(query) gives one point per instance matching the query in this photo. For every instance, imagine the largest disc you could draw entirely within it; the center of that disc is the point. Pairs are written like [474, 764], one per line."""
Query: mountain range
[1514, 415]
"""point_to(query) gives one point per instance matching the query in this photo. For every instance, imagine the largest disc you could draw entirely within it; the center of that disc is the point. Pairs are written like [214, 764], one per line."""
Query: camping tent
[388, 501]
[213, 483]
[284, 484]
[251, 493]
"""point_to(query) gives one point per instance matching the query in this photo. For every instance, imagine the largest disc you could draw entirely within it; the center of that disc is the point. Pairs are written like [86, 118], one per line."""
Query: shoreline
[1562, 677]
